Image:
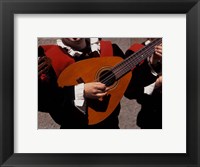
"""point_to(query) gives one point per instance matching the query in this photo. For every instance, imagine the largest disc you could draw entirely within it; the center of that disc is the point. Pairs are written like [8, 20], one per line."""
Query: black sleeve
[50, 95]
[141, 77]
[55, 100]
[117, 51]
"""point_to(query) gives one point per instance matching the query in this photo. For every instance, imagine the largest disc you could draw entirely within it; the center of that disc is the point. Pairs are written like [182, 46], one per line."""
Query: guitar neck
[129, 63]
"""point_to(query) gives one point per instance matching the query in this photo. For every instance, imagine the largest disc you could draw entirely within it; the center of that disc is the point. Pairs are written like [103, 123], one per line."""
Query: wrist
[153, 60]
[155, 65]
[79, 91]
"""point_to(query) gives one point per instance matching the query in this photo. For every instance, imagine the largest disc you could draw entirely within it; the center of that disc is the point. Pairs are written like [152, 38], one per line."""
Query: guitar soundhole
[107, 77]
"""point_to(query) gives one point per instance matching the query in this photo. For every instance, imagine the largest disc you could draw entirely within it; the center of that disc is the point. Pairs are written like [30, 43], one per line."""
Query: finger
[158, 51]
[107, 89]
[40, 73]
[158, 47]
[158, 54]
[99, 90]
[41, 66]
[99, 95]
[41, 59]
[43, 69]
[100, 86]
[48, 61]
[46, 69]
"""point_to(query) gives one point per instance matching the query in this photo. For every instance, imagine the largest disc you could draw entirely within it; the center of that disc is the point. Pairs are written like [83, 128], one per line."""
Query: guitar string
[129, 65]
[118, 67]
[123, 68]
[126, 66]
[137, 59]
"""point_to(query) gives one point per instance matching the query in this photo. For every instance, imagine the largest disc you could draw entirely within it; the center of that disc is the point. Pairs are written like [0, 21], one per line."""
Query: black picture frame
[10, 7]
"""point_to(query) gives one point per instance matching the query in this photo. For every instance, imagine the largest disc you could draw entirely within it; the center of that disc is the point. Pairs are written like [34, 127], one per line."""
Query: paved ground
[129, 108]
[127, 116]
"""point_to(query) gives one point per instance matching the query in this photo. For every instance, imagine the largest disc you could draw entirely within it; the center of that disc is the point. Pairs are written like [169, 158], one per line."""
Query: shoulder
[47, 47]
[117, 51]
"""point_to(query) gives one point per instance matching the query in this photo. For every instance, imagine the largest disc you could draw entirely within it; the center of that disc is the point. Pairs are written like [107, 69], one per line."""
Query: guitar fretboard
[125, 66]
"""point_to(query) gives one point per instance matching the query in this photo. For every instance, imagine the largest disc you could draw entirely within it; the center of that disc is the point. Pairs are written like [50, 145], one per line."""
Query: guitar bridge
[80, 80]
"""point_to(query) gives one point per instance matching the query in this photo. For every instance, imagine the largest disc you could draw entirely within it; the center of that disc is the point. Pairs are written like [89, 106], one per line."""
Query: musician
[149, 88]
[67, 105]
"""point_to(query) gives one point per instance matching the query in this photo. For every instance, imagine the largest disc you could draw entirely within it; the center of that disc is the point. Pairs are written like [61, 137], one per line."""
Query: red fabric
[61, 60]
[136, 47]
[44, 77]
[106, 49]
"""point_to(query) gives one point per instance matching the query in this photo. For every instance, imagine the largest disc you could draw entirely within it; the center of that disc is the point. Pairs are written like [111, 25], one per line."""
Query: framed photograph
[108, 64]
[26, 23]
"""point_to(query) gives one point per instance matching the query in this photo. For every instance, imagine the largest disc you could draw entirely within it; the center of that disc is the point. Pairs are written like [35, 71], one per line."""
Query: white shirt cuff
[79, 95]
[152, 70]
[149, 89]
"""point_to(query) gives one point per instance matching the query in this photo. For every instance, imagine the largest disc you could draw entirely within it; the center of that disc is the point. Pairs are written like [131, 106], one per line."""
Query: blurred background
[129, 108]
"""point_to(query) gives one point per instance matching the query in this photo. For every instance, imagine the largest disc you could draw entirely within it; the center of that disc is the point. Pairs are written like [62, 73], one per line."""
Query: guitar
[112, 71]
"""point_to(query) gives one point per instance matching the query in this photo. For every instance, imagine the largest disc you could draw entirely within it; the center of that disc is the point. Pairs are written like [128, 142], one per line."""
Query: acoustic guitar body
[97, 69]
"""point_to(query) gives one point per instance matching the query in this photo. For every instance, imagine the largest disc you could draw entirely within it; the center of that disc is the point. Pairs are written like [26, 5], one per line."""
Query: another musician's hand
[159, 82]
[44, 64]
[95, 90]
[157, 56]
